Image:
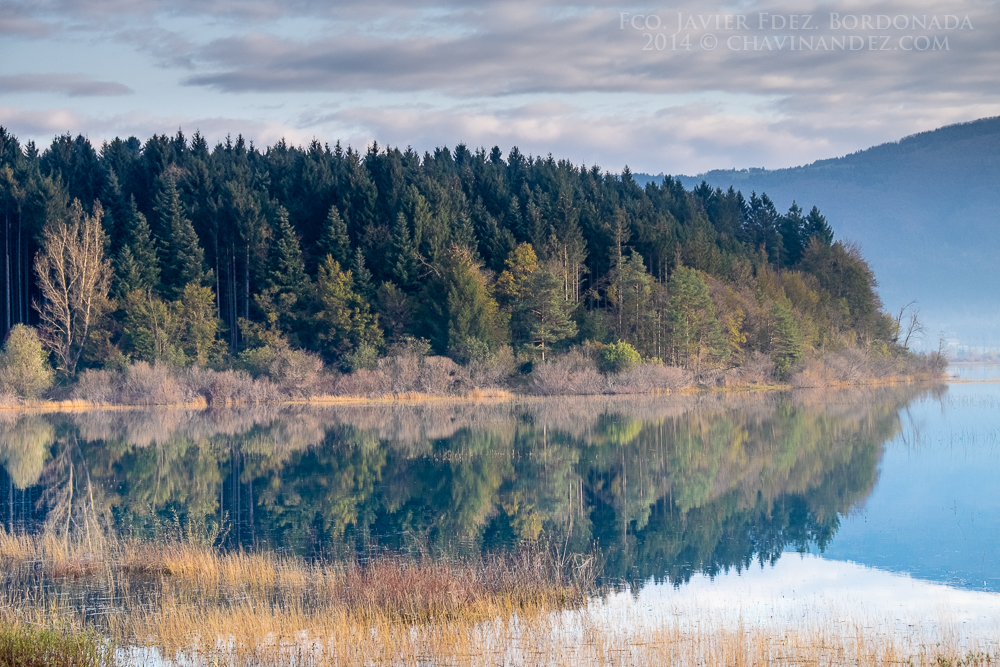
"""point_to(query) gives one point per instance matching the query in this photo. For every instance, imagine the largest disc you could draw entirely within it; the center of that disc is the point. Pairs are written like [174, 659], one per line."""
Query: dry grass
[194, 604]
[184, 598]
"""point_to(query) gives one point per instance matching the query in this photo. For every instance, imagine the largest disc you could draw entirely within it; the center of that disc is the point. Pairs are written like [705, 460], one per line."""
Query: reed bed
[188, 603]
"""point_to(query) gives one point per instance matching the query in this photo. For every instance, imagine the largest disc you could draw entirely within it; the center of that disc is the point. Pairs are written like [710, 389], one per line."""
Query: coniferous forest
[325, 269]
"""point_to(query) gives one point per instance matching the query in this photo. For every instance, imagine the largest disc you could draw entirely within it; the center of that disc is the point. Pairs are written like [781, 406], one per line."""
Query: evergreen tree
[545, 310]
[136, 266]
[334, 241]
[816, 226]
[181, 256]
[791, 228]
[287, 271]
[362, 276]
[460, 316]
[344, 319]
[115, 212]
[786, 341]
[405, 268]
[695, 332]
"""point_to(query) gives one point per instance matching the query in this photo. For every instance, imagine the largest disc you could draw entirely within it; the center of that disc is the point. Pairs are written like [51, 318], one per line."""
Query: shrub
[364, 356]
[150, 384]
[758, 369]
[27, 646]
[257, 360]
[572, 373]
[296, 373]
[98, 386]
[225, 388]
[24, 364]
[618, 357]
[649, 377]
[494, 370]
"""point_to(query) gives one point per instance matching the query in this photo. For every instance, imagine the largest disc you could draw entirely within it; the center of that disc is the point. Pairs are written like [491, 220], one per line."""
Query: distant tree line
[173, 251]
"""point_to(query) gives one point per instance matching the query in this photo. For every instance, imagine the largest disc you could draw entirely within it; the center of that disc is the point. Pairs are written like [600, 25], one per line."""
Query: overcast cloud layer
[648, 86]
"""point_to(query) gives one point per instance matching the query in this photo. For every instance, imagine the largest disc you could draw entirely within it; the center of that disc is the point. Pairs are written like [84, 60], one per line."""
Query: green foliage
[405, 270]
[287, 272]
[695, 333]
[178, 332]
[618, 357]
[786, 343]
[460, 315]
[362, 276]
[544, 310]
[181, 256]
[344, 320]
[25, 645]
[24, 364]
[137, 266]
[256, 226]
[334, 240]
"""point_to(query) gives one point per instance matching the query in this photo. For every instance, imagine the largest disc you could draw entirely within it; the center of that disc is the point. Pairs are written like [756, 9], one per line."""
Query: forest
[323, 269]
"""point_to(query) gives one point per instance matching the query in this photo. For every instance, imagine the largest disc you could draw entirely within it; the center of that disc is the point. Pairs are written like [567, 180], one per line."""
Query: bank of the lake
[413, 378]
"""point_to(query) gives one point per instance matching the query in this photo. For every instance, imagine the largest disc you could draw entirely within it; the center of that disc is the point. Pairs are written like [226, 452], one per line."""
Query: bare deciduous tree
[74, 277]
[908, 324]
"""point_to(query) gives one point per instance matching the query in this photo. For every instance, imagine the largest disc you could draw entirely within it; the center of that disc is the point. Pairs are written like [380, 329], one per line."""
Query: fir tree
[545, 311]
[695, 331]
[345, 321]
[815, 226]
[334, 241]
[287, 272]
[181, 256]
[136, 266]
[362, 276]
[786, 342]
[405, 269]
[460, 316]
[115, 212]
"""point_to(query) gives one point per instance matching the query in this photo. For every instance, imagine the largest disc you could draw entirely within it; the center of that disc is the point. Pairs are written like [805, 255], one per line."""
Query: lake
[759, 507]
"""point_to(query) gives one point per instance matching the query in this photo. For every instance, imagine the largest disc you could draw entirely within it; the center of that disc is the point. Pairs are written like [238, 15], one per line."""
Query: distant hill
[926, 211]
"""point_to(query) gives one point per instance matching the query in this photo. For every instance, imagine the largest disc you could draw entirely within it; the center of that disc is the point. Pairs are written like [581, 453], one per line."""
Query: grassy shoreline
[190, 603]
[471, 397]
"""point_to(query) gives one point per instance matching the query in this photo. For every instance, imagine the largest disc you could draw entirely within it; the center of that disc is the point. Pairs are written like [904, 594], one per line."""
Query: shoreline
[471, 397]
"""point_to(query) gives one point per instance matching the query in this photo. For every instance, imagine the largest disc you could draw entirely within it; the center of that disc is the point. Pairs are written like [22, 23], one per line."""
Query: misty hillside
[926, 211]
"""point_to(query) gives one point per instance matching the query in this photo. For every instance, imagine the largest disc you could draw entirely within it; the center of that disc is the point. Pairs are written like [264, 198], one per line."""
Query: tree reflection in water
[661, 487]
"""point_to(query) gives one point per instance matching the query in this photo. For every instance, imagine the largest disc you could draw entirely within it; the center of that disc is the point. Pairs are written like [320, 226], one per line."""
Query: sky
[678, 87]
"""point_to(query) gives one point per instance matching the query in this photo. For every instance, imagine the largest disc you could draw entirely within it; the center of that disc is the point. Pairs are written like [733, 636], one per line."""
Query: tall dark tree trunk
[246, 285]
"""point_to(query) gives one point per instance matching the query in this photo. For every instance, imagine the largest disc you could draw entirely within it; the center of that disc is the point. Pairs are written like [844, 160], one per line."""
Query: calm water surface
[740, 502]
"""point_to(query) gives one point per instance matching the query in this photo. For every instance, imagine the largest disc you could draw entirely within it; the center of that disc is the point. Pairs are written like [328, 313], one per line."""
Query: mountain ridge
[925, 210]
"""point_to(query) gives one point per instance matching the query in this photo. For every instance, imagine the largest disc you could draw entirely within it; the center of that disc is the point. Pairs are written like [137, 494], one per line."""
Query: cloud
[73, 85]
[524, 49]
[13, 25]
[42, 124]
[550, 76]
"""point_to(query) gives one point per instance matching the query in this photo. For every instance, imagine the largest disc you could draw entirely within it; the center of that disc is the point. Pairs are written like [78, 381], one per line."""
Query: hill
[926, 212]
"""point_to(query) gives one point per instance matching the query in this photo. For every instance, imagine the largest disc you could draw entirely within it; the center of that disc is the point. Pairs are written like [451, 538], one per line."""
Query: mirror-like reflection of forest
[663, 487]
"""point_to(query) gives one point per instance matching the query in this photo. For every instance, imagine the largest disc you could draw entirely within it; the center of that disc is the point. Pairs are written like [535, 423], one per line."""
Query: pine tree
[460, 316]
[287, 271]
[115, 212]
[791, 228]
[362, 276]
[136, 265]
[405, 268]
[344, 319]
[695, 331]
[786, 341]
[334, 240]
[181, 256]
[816, 226]
[545, 310]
